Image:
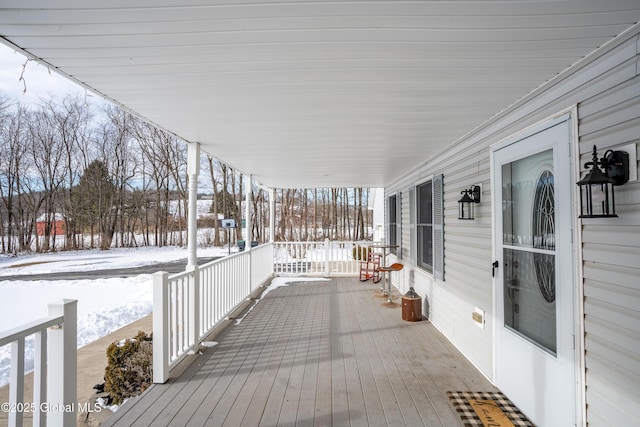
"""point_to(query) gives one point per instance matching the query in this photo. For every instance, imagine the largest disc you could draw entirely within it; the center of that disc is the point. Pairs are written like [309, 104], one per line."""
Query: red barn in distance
[57, 226]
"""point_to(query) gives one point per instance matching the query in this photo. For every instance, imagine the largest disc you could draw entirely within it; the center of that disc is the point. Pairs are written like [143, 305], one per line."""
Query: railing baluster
[174, 321]
[39, 375]
[327, 258]
[179, 319]
[207, 284]
[235, 284]
[218, 295]
[204, 301]
[185, 314]
[16, 390]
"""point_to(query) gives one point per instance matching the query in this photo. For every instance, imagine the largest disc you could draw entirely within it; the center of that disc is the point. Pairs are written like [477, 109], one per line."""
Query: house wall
[605, 89]
[376, 204]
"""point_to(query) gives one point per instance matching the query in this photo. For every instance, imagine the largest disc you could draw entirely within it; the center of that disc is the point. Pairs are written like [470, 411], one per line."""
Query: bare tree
[158, 186]
[20, 194]
[47, 152]
[114, 141]
[258, 214]
[359, 216]
[214, 204]
[176, 152]
[93, 198]
[338, 213]
[49, 155]
[237, 198]
[8, 174]
[71, 121]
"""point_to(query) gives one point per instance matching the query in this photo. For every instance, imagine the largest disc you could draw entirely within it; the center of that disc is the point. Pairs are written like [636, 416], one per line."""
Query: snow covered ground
[104, 305]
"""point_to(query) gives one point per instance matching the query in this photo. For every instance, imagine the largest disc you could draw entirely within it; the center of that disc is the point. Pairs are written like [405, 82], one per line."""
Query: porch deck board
[315, 353]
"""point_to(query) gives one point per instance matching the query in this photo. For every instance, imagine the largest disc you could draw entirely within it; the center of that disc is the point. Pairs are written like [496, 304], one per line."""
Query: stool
[396, 266]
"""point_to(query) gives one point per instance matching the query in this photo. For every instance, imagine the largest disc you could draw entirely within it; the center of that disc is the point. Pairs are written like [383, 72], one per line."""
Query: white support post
[247, 210]
[62, 374]
[272, 215]
[160, 327]
[248, 225]
[16, 391]
[327, 262]
[193, 170]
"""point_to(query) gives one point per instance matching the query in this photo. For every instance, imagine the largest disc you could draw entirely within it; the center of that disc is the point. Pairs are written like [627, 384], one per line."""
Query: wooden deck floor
[315, 354]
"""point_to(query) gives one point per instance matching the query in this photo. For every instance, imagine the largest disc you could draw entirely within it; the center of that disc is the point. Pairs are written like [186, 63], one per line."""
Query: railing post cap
[63, 302]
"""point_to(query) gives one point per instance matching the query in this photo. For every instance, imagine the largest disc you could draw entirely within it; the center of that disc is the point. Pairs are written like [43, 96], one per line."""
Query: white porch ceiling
[314, 93]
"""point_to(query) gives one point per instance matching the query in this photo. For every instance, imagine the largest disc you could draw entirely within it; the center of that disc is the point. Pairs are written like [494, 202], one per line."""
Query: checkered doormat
[460, 401]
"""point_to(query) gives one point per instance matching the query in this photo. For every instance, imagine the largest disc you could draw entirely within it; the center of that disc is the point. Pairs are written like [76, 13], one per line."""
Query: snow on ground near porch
[96, 259]
[104, 305]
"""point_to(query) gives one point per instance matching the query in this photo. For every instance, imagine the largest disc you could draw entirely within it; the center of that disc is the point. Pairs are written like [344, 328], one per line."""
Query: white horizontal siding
[609, 406]
[611, 259]
[467, 268]
[620, 256]
[607, 92]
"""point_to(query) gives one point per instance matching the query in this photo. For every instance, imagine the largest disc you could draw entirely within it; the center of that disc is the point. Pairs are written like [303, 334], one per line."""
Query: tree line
[113, 180]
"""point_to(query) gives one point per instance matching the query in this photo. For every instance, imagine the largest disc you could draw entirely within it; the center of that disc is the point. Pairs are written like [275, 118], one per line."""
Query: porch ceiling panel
[314, 93]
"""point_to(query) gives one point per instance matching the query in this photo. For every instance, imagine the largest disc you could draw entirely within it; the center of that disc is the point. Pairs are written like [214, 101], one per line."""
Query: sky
[39, 80]
[41, 83]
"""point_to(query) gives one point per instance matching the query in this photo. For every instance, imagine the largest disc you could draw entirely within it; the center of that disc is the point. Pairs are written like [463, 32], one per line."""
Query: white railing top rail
[355, 242]
[29, 328]
[180, 275]
[225, 258]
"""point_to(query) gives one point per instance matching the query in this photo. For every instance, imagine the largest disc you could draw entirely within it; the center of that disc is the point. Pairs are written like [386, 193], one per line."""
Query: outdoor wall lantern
[466, 203]
[597, 199]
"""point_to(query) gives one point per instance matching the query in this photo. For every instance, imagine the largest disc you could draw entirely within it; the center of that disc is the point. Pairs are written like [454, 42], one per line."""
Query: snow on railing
[325, 258]
[187, 306]
[55, 382]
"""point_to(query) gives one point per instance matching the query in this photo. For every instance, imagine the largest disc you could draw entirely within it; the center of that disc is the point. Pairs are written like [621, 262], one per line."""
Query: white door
[535, 355]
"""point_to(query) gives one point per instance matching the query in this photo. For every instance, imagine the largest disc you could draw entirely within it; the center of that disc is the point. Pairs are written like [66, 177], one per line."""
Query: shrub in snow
[129, 369]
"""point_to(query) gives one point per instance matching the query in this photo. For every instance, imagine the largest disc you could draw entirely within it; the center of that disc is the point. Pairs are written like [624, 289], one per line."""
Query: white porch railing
[187, 306]
[54, 383]
[325, 258]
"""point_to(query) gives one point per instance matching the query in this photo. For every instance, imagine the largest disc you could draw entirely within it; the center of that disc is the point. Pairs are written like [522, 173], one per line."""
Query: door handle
[493, 268]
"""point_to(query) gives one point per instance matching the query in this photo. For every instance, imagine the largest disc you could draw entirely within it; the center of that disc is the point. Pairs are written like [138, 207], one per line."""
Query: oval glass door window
[543, 232]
